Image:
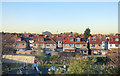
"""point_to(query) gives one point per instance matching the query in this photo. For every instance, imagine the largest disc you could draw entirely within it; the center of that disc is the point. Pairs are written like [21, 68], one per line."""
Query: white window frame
[71, 45]
[117, 45]
[34, 44]
[78, 45]
[84, 45]
[100, 39]
[111, 39]
[65, 44]
[40, 45]
[47, 44]
[18, 44]
[116, 39]
[93, 39]
[41, 39]
[93, 46]
[77, 39]
[99, 44]
[18, 39]
[71, 39]
[53, 44]
[23, 44]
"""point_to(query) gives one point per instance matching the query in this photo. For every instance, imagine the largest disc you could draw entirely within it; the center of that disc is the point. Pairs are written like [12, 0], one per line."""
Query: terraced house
[42, 42]
[19, 43]
[70, 44]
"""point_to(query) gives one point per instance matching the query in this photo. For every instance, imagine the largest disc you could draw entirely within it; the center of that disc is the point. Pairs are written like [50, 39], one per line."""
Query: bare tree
[7, 43]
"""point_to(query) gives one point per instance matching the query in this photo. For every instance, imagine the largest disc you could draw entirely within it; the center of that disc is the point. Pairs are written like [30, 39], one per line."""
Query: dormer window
[17, 44]
[34, 44]
[41, 39]
[110, 39]
[116, 39]
[77, 39]
[18, 39]
[93, 39]
[71, 45]
[71, 39]
[40, 45]
[93, 45]
[84, 45]
[47, 44]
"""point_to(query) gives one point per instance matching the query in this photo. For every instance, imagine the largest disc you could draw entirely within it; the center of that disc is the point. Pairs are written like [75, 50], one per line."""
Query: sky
[59, 17]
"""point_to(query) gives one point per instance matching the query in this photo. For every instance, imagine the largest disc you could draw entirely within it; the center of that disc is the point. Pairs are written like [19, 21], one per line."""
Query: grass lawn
[28, 66]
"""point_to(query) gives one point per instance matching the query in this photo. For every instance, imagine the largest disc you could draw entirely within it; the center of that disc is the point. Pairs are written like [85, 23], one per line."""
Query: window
[103, 45]
[47, 44]
[17, 44]
[110, 45]
[99, 44]
[41, 45]
[100, 39]
[93, 39]
[18, 39]
[34, 44]
[103, 42]
[53, 44]
[78, 45]
[85, 51]
[116, 45]
[84, 45]
[110, 39]
[93, 45]
[23, 44]
[116, 39]
[60, 41]
[71, 39]
[41, 40]
[65, 44]
[77, 39]
[71, 45]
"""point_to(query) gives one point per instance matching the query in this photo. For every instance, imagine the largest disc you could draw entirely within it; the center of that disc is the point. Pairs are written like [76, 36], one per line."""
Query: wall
[18, 59]
[113, 46]
[96, 46]
[51, 46]
[67, 46]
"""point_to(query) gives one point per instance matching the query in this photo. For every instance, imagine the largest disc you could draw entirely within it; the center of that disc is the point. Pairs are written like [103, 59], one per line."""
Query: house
[114, 42]
[79, 43]
[95, 42]
[69, 44]
[60, 42]
[49, 43]
[19, 44]
[72, 44]
[36, 42]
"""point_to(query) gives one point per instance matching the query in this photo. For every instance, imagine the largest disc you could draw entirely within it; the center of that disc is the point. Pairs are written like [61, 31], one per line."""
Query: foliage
[54, 59]
[90, 65]
[86, 33]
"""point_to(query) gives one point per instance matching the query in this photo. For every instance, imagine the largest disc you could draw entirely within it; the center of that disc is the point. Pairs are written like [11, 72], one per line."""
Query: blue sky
[100, 17]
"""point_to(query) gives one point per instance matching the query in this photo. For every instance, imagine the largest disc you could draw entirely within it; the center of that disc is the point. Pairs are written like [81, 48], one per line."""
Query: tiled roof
[20, 41]
[49, 41]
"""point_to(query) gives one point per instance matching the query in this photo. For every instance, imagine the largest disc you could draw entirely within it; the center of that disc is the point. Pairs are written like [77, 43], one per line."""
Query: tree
[54, 59]
[91, 65]
[86, 33]
[7, 44]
